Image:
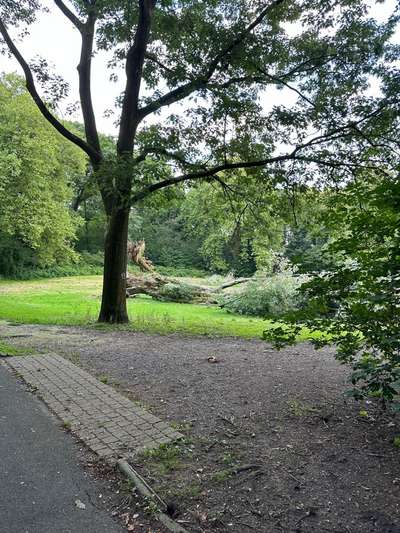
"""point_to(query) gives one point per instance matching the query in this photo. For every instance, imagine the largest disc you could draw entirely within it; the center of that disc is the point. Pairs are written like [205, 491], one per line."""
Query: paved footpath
[110, 424]
[40, 478]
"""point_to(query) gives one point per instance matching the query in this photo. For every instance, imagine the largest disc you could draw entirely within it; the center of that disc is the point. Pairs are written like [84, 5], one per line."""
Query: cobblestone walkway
[110, 424]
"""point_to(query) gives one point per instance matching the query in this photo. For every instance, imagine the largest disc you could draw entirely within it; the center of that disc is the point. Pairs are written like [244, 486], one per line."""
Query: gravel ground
[273, 444]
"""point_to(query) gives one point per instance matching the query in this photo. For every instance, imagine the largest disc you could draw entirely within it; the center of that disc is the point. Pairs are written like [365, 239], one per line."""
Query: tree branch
[173, 96]
[280, 80]
[85, 92]
[213, 171]
[162, 151]
[206, 173]
[294, 155]
[262, 80]
[93, 154]
[153, 58]
[69, 14]
[200, 82]
[134, 68]
[84, 69]
[240, 38]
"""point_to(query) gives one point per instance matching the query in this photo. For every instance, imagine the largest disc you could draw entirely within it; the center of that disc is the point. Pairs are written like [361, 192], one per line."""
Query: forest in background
[52, 221]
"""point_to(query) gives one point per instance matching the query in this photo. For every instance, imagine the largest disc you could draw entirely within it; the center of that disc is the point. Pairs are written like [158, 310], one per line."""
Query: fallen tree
[167, 288]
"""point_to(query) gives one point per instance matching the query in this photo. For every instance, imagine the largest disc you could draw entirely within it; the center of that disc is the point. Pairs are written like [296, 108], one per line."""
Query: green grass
[76, 301]
[164, 459]
[9, 350]
[221, 476]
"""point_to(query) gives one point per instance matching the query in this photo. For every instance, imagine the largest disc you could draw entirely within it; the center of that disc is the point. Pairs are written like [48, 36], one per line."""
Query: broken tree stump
[165, 288]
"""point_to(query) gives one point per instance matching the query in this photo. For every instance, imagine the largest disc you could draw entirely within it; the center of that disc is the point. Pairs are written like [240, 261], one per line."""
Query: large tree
[219, 57]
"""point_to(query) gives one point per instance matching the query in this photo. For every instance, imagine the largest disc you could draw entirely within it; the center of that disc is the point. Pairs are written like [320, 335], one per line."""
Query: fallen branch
[245, 468]
[228, 421]
[232, 283]
[147, 492]
[153, 284]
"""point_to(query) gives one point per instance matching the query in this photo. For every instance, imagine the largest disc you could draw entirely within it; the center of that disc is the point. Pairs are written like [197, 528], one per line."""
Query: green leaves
[223, 61]
[19, 11]
[365, 287]
[36, 169]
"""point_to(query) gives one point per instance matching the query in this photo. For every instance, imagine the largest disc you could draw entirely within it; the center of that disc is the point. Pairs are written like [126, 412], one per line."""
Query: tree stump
[165, 288]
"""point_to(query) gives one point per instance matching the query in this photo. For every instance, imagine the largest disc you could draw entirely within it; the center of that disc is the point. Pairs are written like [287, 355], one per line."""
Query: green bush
[177, 293]
[182, 272]
[88, 265]
[266, 297]
[364, 285]
[92, 259]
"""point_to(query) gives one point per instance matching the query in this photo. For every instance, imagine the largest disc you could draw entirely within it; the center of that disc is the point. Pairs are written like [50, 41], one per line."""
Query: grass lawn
[76, 301]
[9, 350]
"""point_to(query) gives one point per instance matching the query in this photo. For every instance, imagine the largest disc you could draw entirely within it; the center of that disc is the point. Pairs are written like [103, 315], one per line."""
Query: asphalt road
[40, 476]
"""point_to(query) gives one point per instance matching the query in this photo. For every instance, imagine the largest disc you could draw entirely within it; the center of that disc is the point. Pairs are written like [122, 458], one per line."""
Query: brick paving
[110, 424]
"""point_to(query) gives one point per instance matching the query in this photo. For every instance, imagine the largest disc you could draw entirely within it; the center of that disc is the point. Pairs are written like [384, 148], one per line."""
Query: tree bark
[136, 254]
[113, 305]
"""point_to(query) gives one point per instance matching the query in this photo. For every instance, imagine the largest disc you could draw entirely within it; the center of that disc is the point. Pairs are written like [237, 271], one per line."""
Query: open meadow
[76, 301]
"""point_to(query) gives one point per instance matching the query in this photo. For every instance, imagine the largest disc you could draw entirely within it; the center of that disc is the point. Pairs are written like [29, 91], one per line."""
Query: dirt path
[273, 443]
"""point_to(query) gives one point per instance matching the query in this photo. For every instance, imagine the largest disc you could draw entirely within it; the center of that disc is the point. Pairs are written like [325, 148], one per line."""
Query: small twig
[230, 433]
[244, 468]
[246, 524]
[228, 421]
[250, 476]
[293, 477]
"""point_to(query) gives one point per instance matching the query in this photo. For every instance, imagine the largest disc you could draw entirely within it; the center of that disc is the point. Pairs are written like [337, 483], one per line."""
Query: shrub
[181, 272]
[177, 293]
[267, 297]
[92, 259]
[365, 287]
[87, 265]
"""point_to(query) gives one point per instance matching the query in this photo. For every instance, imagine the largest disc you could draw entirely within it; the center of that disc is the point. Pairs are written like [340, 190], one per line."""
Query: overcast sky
[54, 38]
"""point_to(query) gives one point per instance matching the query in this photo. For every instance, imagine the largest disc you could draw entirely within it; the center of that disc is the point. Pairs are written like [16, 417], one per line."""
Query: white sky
[54, 38]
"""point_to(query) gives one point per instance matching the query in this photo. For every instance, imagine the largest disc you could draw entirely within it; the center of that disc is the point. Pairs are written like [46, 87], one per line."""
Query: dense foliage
[37, 167]
[222, 60]
[357, 304]
[162, 228]
[238, 227]
[181, 292]
[231, 233]
[268, 295]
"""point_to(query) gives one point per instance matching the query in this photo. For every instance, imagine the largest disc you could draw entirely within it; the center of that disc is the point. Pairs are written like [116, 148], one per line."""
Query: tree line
[52, 214]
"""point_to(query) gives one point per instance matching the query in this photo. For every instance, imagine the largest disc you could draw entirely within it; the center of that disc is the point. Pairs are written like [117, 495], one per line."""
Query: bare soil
[273, 444]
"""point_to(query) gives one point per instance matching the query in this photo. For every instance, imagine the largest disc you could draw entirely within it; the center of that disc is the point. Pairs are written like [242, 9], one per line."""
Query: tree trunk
[113, 305]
